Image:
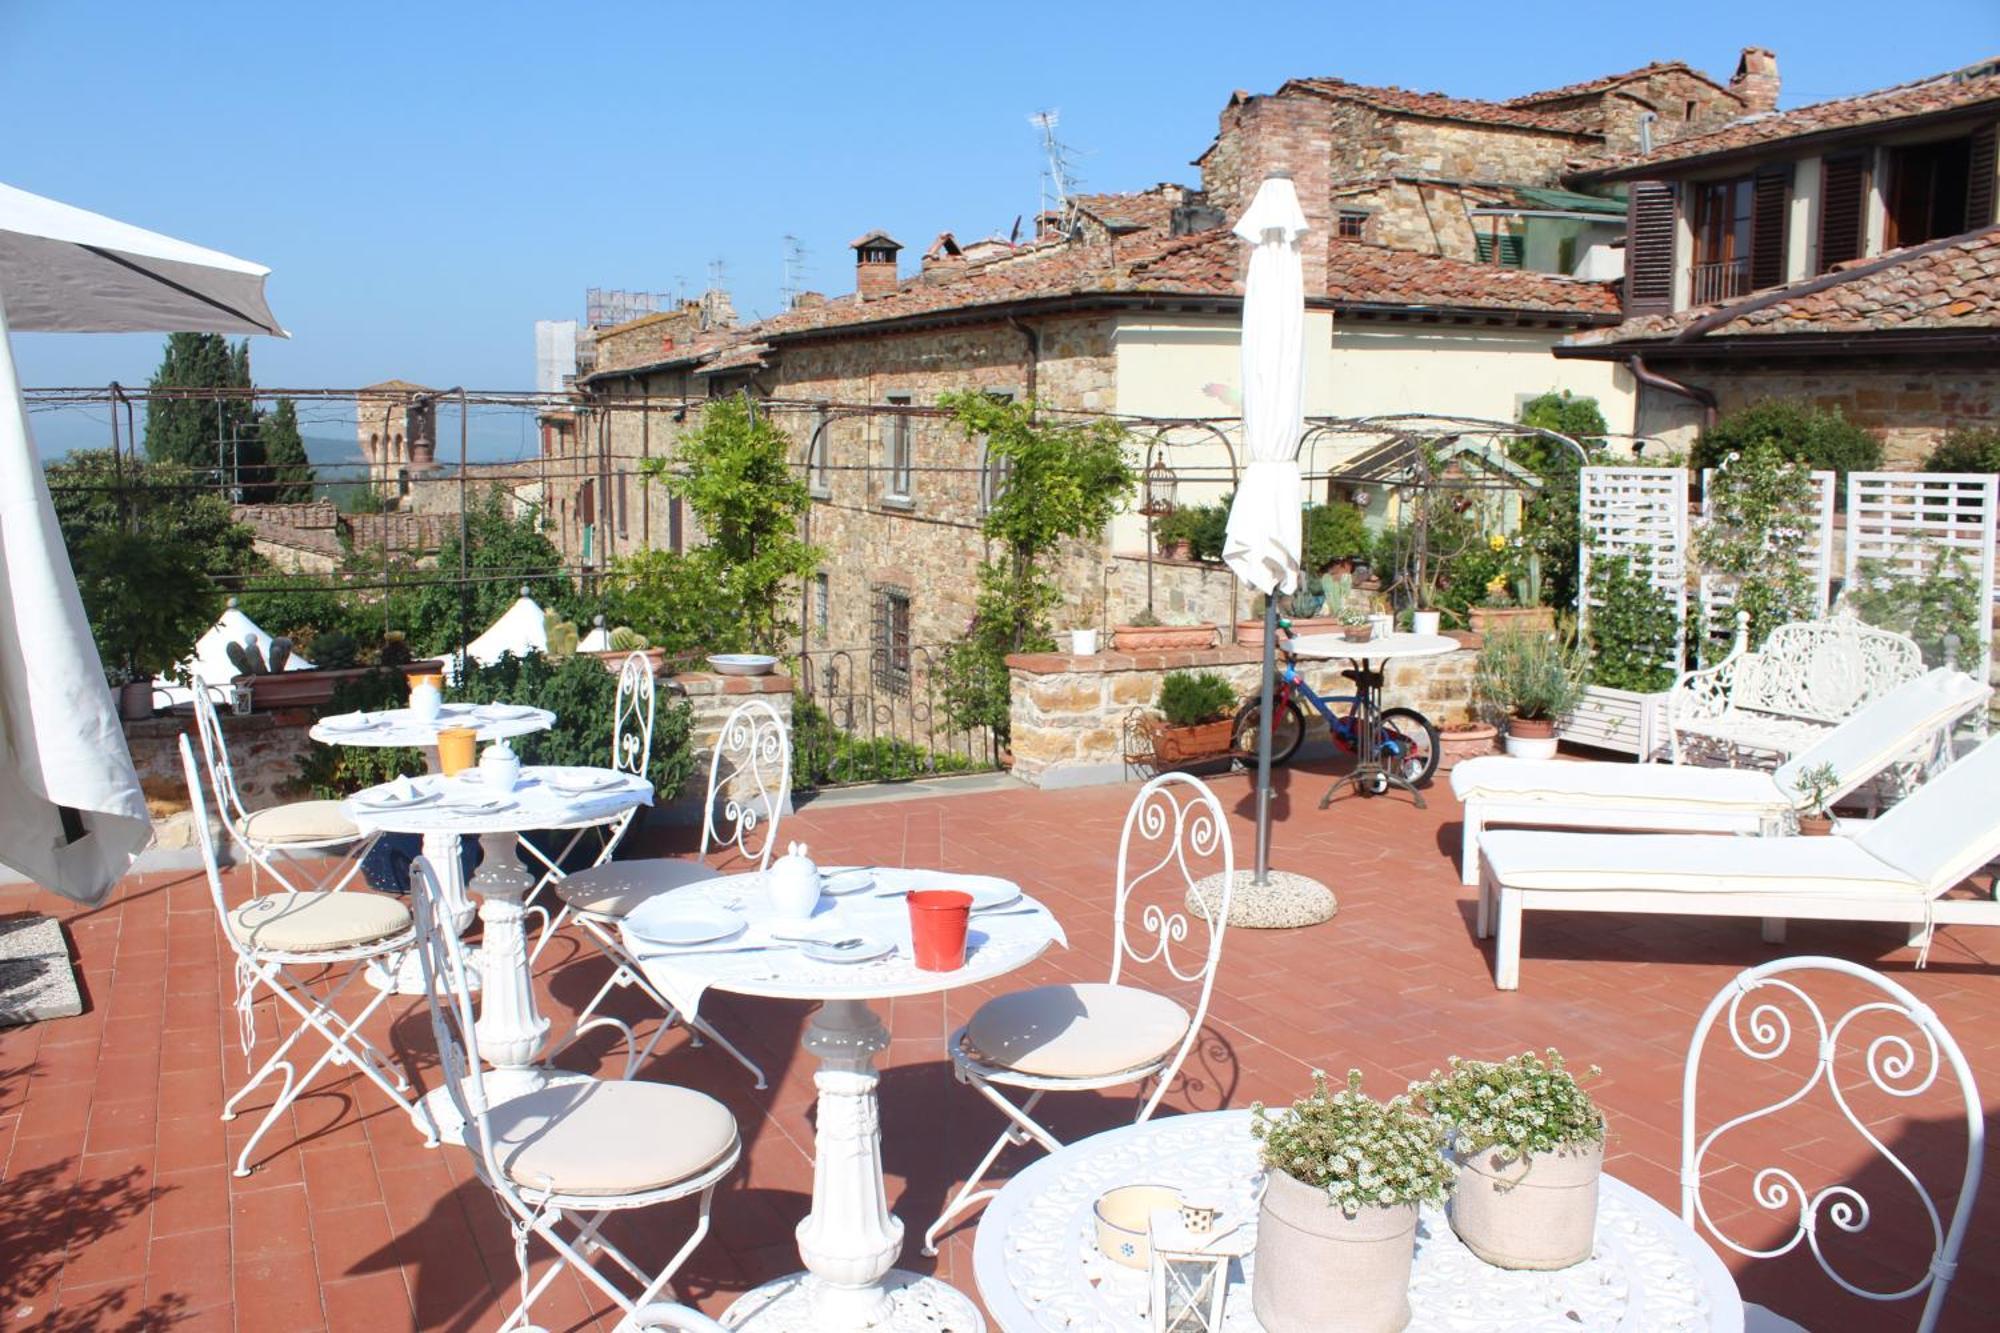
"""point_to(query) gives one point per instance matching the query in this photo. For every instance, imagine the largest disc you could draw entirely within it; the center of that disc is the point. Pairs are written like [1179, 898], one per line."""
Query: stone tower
[396, 427]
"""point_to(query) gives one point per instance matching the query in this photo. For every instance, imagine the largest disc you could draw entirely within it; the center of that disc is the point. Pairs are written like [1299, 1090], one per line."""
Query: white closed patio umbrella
[72, 816]
[1263, 542]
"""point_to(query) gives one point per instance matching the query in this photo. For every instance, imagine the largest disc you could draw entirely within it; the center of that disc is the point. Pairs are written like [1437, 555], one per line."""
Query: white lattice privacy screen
[1910, 519]
[1718, 595]
[1640, 512]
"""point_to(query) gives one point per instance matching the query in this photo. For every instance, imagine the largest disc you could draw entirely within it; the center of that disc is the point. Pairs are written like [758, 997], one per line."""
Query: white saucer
[866, 951]
[840, 883]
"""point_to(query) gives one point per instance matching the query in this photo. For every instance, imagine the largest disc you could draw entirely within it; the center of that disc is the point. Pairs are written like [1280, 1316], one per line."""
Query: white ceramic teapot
[792, 884]
[426, 701]
[500, 768]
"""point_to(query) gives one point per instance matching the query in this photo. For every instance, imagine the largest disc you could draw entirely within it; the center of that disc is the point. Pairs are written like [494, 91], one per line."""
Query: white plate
[985, 890]
[839, 883]
[866, 951]
[683, 926]
[583, 784]
[392, 800]
[507, 712]
[351, 722]
[473, 804]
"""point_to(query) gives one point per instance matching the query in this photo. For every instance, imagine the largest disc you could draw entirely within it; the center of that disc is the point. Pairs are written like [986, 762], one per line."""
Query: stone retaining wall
[713, 698]
[1070, 713]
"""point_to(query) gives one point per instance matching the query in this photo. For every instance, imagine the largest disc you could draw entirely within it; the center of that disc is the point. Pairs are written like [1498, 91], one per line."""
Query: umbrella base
[1287, 901]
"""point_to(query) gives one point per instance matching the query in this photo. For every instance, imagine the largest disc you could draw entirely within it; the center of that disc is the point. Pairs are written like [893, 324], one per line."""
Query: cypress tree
[289, 473]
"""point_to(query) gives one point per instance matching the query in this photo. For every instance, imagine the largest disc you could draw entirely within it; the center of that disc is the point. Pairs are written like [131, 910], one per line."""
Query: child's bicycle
[1394, 746]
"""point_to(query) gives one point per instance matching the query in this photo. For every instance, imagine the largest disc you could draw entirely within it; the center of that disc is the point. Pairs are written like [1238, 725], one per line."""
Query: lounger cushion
[1500, 778]
[1947, 828]
[613, 890]
[300, 821]
[605, 1138]
[1899, 724]
[1092, 1030]
[1688, 863]
[319, 921]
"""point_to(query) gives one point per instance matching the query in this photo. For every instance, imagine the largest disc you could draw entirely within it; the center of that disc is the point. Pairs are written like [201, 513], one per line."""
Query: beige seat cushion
[613, 890]
[1624, 786]
[1689, 863]
[606, 1138]
[318, 921]
[300, 821]
[1080, 1031]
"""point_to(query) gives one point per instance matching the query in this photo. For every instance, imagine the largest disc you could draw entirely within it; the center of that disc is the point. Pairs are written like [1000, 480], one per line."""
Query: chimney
[875, 264]
[1756, 79]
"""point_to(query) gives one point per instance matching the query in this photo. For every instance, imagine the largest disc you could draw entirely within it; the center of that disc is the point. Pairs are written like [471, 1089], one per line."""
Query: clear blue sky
[426, 180]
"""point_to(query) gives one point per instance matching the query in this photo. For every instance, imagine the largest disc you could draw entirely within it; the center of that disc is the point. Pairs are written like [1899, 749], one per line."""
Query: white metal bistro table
[849, 1242]
[1036, 1260]
[511, 1027]
[1368, 677]
[400, 728]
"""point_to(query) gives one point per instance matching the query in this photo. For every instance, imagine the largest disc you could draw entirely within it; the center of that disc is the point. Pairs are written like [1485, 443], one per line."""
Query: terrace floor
[118, 1211]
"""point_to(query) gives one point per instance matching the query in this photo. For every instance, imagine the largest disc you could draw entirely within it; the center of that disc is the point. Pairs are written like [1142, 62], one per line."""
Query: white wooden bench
[1757, 709]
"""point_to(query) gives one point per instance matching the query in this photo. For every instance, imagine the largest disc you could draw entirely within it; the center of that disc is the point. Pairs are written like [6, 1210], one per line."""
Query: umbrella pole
[1264, 720]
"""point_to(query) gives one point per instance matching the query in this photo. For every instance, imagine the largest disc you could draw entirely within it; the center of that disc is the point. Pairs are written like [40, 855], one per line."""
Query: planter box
[1622, 720]
[1250, 633]
[299, 689]
[1181, 745]
[1152, 638]
[614, 659]
[1488, 619]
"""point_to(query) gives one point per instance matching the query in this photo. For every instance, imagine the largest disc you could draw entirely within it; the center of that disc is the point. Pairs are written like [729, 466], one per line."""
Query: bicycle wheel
[1408, 745]
[1288, 729]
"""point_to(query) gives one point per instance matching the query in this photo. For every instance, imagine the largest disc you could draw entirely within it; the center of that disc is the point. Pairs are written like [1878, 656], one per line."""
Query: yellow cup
[457, 748]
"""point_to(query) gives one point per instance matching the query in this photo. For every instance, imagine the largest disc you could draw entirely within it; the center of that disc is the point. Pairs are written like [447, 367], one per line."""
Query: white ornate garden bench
[1757, 709]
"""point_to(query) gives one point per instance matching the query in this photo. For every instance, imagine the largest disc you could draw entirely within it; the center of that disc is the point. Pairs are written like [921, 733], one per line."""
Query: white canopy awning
[521, 630]
[210, 664]
[72, 816]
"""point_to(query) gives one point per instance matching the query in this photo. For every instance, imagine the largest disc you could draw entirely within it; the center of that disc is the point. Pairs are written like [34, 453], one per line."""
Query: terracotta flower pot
[1250, 633]
[1537, 1212]
[1816, 826]
[1466, 743]
[1203, 740]
[1487, 619]
[1321, 1271]
[1531, 737]
[1151, 638]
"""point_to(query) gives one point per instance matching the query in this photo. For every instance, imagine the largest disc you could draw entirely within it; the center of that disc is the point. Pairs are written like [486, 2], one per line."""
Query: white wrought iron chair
[1759, 1009]
[631, 752]
[1085, 1037]
[279, 933]
[752, 754]
[567, 1157]
[289, 832]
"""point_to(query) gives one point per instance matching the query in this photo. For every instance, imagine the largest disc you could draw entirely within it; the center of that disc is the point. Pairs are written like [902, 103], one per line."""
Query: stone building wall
[1908, 404]
[1073, 716]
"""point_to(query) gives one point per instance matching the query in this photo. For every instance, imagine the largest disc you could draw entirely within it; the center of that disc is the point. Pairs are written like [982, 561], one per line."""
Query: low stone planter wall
[1069, 712]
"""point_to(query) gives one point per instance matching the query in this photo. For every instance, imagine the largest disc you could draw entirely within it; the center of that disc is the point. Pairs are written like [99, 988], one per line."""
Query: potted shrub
[1170, 534]
[1529, 1147]
[1530, 679]
[1145, 633]
[1197, 717]
[1336, 1231]
[1816, 786]
[1354, 626]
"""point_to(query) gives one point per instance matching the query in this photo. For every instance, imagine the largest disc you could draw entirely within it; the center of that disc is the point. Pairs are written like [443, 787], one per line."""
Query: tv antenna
[1059, 179]
[795, 271]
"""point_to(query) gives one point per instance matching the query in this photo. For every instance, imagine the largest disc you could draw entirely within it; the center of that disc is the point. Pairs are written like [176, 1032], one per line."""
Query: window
[1926, 194]
[1721, 239]
[819, 472]
[994, 469]
[1690, 109]
[896, 450]
[822, 602]
[1512, 252]
[1351, 224]
[892, 641]
[676, 527]
[623, 513]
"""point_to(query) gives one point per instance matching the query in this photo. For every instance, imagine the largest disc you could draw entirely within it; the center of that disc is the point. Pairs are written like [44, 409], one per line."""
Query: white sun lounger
[1897, 868]
[1903, 726]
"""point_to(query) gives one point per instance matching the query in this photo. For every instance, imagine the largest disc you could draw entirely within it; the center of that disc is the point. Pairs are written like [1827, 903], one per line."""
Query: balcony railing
[1722, 281]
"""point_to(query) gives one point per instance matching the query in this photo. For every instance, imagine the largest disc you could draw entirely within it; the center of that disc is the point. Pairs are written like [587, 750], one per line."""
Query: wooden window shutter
[1842, 210]
[1652, 216]
[1772, 191]
[1980, 188]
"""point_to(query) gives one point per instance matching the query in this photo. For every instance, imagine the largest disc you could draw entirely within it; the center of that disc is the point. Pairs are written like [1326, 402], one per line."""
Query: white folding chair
[1893, 1041]
[631, 752]
[289, 832]
[279, 933]
[561, 1160]
[749, 778]
[1091, 1036]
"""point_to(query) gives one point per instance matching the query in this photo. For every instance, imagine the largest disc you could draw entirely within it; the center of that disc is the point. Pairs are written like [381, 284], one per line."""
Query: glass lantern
[1192, 1249]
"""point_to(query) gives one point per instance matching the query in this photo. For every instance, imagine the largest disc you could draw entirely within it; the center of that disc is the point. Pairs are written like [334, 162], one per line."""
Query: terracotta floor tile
[194, 1200]
[191, 1269]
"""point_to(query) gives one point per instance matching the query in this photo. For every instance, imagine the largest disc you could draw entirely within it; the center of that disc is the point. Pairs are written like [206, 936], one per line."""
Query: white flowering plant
[1525, 1104]
[1361, 1152]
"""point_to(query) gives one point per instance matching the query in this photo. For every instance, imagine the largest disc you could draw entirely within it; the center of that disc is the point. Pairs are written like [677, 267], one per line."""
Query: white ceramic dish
[985, 891]
[392, 799]
[506, 712]
[582, 782]
[742, 664]
[840, 883]
[868, 950]
[351, 722]
[472, 803]
[1124, 1222]
[683, 926]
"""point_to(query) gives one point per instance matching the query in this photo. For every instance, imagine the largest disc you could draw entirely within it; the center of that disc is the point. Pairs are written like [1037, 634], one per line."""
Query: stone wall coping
[712, 682]
[1164, 659]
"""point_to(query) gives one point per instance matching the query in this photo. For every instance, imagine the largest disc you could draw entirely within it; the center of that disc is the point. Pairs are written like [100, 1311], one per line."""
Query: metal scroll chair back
[448, 998]
[215, 755]
[749, 780]
[198, 813]
[1175, 843]
[1890, 1041]
[632, 716]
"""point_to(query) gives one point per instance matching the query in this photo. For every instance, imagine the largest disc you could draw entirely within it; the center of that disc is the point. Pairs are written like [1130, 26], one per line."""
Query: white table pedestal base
[850, 1240]
[453, 906]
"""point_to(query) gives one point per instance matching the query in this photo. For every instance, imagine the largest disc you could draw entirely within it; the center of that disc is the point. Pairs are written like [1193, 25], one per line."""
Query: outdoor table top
[1374, 650]
[547, 797]
[399, 727]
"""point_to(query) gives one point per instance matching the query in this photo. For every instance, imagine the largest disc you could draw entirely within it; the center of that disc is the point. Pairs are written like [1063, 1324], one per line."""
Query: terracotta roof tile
[1955, 286]
[1375, 275]
[1146, 209]
[1968, 87]
[1596, 85]
[1439, 106]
